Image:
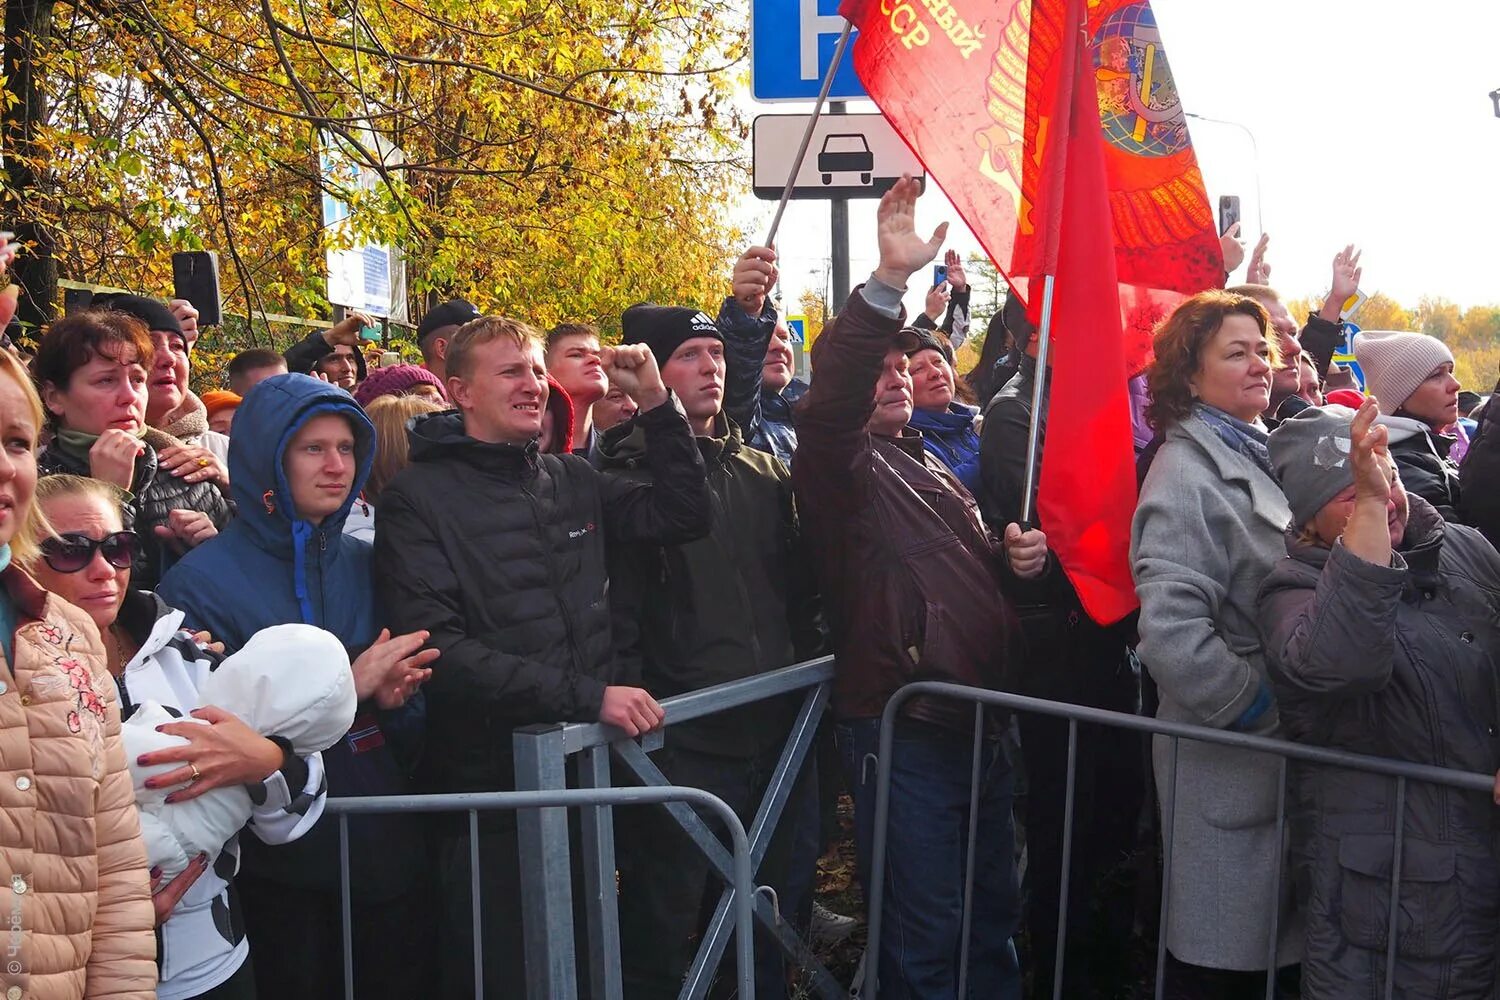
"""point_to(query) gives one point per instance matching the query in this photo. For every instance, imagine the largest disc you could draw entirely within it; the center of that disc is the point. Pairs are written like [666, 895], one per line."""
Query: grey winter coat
[1206, 533]
[1397, 661]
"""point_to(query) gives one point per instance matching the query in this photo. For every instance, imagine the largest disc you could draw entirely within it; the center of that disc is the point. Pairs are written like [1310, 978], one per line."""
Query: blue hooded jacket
[948, 435]
[268, 567]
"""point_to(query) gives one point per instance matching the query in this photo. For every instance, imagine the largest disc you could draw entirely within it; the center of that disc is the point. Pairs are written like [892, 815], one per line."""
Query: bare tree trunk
[28, 32]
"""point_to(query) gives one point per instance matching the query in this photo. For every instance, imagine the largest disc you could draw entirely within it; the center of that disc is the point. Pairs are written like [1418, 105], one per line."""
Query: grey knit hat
[1310, 453]
[1396, 363]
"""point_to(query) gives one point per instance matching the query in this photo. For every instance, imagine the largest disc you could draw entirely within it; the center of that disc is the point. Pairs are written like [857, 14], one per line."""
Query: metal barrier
[738, 870]
[541, 754]
[1401, 771]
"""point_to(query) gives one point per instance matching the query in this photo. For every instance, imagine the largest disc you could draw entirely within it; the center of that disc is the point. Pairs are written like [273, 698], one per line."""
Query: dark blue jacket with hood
[950, 435]
[268, 567]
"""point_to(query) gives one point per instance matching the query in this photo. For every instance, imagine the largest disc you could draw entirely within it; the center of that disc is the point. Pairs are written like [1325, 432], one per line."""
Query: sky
[1372, 124]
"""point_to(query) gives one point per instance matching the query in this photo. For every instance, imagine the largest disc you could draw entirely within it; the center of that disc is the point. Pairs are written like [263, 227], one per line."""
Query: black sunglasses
[71, 552]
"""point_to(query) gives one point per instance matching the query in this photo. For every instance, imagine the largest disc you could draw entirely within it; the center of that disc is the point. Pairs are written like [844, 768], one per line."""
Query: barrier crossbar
[541, 754]
[1401, 771]
[739, 870]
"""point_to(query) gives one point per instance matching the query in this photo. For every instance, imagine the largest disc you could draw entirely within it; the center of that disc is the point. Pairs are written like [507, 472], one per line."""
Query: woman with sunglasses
[78, 909]
[86, 560]
[92, 369]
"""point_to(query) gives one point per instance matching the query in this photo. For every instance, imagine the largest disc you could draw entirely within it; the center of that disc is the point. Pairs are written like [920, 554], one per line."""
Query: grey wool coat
[1396, 661]
[1206, 533]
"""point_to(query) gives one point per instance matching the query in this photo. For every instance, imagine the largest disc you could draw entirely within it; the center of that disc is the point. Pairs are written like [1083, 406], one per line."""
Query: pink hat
[396, 380]
[1396, 363]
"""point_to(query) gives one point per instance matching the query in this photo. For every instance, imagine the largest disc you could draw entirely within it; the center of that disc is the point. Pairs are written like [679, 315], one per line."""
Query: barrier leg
[603, 903]
[546, 872]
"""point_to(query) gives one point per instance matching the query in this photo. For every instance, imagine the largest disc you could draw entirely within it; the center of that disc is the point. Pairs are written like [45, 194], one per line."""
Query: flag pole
[807, 133]
[1038, 399]
[1064, 111]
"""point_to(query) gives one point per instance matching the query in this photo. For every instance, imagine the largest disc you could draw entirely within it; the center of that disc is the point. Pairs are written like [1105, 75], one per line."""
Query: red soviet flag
[1055, 129]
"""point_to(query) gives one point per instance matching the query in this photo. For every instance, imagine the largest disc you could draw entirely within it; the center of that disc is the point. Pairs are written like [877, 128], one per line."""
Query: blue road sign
[791, 46]
[797, 327]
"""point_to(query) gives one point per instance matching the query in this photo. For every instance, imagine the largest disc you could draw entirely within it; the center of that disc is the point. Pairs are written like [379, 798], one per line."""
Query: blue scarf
[1246, 439]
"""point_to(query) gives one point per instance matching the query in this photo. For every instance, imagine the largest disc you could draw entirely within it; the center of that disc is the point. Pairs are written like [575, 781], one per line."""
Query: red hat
[1351, 398]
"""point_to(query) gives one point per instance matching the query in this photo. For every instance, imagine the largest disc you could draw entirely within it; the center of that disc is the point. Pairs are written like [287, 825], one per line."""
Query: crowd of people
[536, 529]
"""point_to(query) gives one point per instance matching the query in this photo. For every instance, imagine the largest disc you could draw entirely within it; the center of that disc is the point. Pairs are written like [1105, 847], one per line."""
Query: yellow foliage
[561, 161]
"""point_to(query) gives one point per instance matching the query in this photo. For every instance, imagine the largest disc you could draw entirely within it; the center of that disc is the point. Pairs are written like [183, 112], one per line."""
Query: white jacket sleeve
[282, 814]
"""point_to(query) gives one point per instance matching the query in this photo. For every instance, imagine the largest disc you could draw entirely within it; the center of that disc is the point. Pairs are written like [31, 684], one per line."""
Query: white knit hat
[1396, 363]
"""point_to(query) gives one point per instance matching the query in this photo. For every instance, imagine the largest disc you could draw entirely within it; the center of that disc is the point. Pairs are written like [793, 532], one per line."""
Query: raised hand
[1370, 454]
[957, 279]
[1370, 531]
[1259, 271]
[755, 275]
[1346, 274]
[937, 302]
[346, 330]
[187, 318]
[632, 367]
[902, 252]
[1233, 248]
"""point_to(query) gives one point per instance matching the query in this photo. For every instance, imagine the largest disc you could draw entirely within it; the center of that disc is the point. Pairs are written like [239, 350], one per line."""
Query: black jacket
[499, 552]
[154, 494]
[1066, 650]
[1422, 460]
[304, 355]
[738, 602]
[1479, 476]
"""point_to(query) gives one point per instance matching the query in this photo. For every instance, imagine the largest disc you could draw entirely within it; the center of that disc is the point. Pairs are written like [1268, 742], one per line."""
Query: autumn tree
[813, 305]
[555, 161]
[987, 286]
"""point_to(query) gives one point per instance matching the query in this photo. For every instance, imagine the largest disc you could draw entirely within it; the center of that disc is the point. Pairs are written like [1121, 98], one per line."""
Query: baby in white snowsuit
[289, 681]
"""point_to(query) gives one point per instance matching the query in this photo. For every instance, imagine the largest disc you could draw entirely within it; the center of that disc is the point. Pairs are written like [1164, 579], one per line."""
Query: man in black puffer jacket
[499, 551]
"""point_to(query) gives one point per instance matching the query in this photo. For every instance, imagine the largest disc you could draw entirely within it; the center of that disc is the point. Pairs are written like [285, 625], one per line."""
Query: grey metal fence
[737, 869]
[541, 754]
[1401, 771]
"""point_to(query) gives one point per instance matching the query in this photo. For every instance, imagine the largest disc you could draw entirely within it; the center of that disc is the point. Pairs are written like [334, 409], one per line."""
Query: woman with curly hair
[1206, 534]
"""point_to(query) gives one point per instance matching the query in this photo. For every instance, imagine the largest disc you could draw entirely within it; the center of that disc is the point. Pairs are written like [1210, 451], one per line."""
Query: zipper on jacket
[322, 594]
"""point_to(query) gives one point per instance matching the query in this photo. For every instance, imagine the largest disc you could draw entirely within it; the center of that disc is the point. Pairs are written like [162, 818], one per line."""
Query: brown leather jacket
[911, 576]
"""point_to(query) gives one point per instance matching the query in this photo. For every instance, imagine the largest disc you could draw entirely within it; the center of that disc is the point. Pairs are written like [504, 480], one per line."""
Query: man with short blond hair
[499, 551]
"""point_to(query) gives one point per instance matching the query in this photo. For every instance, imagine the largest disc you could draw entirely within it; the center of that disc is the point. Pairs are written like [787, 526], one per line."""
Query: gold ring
[196, 774]
[202, 462]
